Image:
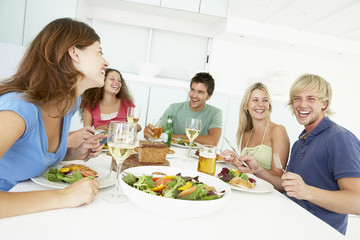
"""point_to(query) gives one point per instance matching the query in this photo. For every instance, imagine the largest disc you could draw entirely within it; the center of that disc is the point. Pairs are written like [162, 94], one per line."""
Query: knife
[237, 155]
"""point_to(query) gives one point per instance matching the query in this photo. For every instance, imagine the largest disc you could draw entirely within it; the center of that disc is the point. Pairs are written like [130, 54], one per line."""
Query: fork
[235, 152]
[278, 162]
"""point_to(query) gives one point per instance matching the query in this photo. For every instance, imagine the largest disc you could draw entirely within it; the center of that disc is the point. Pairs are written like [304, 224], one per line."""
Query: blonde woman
[257, 135]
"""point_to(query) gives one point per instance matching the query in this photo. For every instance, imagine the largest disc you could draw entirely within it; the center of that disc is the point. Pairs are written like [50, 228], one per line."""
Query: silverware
[87, 156]
[237, 155]
[278, 162]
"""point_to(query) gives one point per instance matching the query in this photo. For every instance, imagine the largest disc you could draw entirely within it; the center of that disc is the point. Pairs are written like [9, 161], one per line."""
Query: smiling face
[112, 82]
[258, 104]
[198, 96]
[308, 108]
[91, 63]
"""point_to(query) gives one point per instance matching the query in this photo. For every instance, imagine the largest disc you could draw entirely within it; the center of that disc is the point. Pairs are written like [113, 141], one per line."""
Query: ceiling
[336, 18]
[324, 27]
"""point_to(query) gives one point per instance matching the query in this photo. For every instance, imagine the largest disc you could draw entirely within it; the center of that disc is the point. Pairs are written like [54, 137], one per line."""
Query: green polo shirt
[211, 117]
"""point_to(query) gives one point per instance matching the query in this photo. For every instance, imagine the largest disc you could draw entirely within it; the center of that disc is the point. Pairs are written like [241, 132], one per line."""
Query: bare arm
[12, 204]
[281, 145]
[212, 138]
[78, 193]
[13, 127]
[87, 117]
[345, 201]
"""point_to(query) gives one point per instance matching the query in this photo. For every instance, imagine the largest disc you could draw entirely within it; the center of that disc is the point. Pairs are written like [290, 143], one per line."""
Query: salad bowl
[176, 208]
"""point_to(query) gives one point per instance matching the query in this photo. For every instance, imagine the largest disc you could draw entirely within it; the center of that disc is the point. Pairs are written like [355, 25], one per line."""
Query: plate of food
[63, 174]
[174, 192]
[244, 181]
[184, 143]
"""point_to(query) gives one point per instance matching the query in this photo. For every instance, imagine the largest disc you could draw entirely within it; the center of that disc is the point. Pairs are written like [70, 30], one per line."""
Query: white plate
[261, 186]
[176, 208]
[197, 145]
[102, 172]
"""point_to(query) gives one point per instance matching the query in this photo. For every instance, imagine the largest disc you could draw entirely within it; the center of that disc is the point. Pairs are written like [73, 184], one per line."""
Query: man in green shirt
[201, 89]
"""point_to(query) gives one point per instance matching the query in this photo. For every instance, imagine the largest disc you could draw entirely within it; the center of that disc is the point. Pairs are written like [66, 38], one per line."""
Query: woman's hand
[90, 148]
[228, 156]
[103, 127]
[77, 137]
[250, 161]
[79, 193]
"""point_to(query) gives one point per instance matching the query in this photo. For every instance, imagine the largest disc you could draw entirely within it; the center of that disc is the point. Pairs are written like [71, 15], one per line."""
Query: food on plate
[237, 178]
[152, 151]
[184, 142]
[173, 186]
[70, 173]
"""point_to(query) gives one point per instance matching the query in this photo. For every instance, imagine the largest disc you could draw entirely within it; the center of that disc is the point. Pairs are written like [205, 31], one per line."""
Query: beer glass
[207, 159]
[157, 129]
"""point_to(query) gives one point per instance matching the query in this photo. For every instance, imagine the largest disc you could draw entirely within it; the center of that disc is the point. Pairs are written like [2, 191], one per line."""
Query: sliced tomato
[86, 173]
[162, 181]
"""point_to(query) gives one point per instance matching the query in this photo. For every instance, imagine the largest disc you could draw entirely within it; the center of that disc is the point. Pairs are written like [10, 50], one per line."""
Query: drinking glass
[157, 129]
[133, 114]
[192, 130]
[207, 159]
[121, 141]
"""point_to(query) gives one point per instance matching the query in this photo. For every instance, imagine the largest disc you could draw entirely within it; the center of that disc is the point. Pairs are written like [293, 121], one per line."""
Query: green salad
[185, 142]
[173, 186]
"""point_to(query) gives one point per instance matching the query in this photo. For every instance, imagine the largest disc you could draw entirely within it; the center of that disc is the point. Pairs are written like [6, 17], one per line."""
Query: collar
[324, 124]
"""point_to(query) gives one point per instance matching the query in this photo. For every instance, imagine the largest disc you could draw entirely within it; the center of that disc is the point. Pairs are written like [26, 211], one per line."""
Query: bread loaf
[152, 152]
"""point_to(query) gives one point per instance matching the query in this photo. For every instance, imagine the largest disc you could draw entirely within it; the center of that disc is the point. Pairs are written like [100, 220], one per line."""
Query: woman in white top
[257, 136]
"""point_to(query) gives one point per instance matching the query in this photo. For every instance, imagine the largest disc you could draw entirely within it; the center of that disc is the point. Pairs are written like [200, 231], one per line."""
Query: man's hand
[294, 185]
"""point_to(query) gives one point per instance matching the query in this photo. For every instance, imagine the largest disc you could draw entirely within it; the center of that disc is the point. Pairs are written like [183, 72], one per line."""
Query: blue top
[28, 156]
[211, 117]
[328, 153]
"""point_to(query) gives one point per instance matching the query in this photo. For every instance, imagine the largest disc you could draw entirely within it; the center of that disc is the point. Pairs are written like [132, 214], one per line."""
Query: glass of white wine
[133, 115]
[192, 130]
[121, 140]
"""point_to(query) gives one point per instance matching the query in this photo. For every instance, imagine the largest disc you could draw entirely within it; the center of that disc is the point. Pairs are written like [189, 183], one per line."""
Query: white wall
[236, 64]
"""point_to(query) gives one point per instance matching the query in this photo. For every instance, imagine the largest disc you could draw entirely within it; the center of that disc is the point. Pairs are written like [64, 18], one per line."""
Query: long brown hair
[245, 121]
[46, 73]
[92, 96]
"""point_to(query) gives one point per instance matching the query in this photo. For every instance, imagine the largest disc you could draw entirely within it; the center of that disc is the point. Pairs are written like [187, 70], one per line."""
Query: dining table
[247, 215]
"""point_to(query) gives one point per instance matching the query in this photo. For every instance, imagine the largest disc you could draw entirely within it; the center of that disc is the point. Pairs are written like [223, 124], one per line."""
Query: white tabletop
[246, 216]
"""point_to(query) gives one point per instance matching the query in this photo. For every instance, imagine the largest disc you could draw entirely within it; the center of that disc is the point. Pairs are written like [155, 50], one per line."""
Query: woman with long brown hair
[36, 106]
[99, 106]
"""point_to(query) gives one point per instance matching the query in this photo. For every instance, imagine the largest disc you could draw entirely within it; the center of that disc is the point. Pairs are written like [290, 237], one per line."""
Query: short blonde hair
[314, 82]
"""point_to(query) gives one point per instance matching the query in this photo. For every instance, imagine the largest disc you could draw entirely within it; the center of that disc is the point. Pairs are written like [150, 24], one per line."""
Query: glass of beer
[207, 159]
[157, 129]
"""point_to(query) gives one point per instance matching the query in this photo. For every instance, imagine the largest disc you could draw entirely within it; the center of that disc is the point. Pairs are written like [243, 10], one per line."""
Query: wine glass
[192, 130]
[133, 114]
[121, 141]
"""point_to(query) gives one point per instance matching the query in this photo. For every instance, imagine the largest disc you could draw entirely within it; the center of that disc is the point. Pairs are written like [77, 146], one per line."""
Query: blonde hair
[245, 121]
[316, 83]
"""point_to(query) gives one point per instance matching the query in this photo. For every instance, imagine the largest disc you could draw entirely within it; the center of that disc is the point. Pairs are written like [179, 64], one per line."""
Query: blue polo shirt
[328, 153]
